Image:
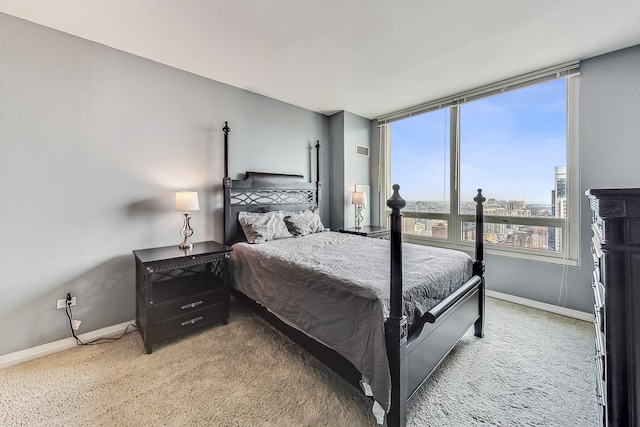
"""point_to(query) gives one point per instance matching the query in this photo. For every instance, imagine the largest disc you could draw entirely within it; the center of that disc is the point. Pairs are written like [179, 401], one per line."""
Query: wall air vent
[361, 150]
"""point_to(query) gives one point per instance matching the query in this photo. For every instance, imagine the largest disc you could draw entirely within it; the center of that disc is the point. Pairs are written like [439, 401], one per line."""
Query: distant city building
[558, 206]
[520, 213]
[503, 233]
[514, 205]
[540, 238]
[439, 230]
[408, 225]
[560, 202]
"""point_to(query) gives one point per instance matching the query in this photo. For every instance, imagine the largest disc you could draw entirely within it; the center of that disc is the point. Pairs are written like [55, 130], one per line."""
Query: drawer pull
[191, 305]
[192, 321]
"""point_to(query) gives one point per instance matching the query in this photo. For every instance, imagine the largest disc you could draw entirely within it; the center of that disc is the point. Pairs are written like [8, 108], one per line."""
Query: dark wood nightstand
[373, 231]
[179, 291]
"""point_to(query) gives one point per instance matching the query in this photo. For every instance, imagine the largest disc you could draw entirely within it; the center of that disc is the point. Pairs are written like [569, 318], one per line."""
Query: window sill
[488, 249]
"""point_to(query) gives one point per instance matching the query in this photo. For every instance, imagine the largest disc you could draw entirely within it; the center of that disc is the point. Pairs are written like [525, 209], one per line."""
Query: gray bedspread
[335, 288]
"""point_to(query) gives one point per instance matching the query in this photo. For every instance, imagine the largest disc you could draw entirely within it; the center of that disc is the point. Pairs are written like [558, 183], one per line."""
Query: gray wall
[94, 143]
[336, 170]
[347, 130]
[610, 121]
[609, 151]
[609, 132]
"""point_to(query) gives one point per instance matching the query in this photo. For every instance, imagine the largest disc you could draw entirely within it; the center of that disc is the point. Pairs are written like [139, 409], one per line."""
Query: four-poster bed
[359, 330]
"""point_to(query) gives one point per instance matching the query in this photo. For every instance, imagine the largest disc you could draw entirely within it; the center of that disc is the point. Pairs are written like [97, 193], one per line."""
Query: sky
[510, 145]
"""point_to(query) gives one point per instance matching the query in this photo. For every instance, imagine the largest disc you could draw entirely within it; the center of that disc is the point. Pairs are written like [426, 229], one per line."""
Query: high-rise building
[558, 206]
[439, 230]
[408, 225]
[516, 205]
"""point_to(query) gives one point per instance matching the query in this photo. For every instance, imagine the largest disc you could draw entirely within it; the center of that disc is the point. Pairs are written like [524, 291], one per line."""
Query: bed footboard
[432, 315]
[428, 348]
[413, 359]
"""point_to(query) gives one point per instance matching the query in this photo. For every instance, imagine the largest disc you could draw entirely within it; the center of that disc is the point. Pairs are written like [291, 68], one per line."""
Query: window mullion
[454, 175]
[385, 175]
[571, 244]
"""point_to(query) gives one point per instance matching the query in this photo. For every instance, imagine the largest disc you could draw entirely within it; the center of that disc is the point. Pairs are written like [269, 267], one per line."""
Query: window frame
[569, 226]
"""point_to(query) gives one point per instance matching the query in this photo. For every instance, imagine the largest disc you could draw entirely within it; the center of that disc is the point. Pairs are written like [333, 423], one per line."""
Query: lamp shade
[358, 198]
[186, 201]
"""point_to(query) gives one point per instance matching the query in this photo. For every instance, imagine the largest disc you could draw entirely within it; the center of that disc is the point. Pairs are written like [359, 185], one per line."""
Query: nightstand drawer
[192, 320]
[189, 304]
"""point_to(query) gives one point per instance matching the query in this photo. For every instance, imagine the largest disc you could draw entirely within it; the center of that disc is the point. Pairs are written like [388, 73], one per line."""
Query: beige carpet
[532, 369]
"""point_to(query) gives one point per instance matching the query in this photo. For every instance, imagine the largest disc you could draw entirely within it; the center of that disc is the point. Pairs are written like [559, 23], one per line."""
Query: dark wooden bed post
[478, 265]
[396, 324]
[226, 129]
[318, 183]
[226, 183]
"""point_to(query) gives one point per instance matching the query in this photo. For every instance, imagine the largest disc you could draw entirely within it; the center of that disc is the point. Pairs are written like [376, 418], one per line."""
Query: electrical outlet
[62, 303]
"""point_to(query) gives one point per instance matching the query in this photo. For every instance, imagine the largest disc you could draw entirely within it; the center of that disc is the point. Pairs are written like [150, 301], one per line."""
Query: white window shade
[546, 74]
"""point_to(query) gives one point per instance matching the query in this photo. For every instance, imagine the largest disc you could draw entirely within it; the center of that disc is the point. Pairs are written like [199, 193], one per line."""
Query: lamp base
[186, 232]
[358, 217]
[186, 245]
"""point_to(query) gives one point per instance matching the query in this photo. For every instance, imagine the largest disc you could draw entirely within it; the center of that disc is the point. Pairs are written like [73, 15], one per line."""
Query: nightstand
[180, 291]
[373, 231]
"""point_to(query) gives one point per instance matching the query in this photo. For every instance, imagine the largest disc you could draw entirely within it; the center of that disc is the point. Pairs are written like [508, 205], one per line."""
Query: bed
[344, 298]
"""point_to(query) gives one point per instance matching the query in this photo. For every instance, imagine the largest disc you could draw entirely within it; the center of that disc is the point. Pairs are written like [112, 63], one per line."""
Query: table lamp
[186, 201]
[360, 200]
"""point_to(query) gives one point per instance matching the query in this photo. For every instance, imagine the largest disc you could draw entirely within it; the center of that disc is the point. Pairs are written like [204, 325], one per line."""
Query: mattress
[335, 288]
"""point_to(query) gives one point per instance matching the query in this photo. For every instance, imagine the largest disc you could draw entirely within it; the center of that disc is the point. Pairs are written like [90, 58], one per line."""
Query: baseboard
[576, 314]
[61, 345]
[115, 330]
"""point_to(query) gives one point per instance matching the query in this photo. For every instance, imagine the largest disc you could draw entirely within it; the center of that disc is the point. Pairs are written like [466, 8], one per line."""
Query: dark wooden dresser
[616, 285]
[180, 290]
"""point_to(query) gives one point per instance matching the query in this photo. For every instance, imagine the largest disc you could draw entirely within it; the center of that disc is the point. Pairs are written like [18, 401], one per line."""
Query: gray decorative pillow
[313, 209]
[303, 223]
[262, 227]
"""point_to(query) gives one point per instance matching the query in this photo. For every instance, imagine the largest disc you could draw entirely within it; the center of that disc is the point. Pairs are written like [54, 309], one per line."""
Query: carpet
[533, 368]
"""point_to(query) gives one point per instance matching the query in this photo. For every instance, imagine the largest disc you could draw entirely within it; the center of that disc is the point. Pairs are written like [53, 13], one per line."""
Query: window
[424, 157]
[518, 145]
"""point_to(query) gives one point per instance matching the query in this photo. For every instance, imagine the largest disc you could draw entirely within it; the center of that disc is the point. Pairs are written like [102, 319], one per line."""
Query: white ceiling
[369, 57]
